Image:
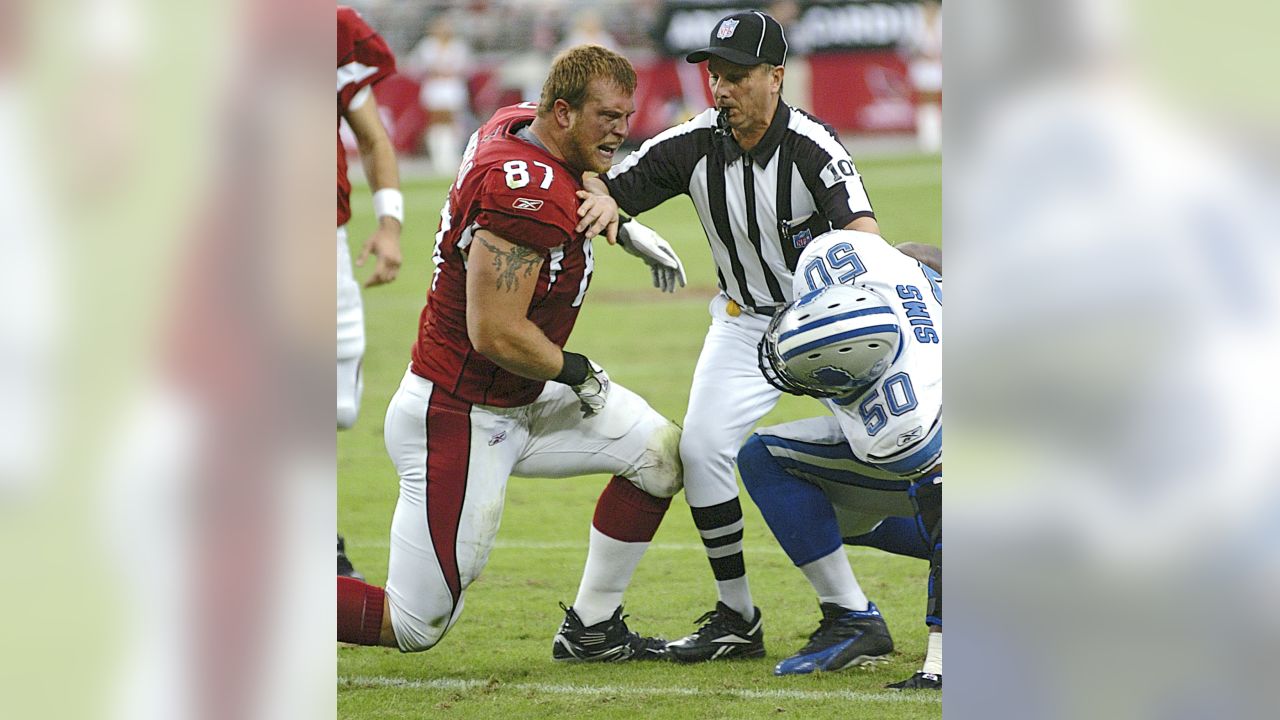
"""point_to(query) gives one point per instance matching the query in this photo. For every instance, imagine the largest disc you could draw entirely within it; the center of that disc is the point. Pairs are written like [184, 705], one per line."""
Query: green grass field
[496, 662]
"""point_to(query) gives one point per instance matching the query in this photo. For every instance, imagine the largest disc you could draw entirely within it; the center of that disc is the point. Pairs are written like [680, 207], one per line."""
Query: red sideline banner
[865, 91]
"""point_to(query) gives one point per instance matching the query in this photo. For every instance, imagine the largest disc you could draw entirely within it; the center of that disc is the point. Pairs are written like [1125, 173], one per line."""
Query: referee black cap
[746, 38]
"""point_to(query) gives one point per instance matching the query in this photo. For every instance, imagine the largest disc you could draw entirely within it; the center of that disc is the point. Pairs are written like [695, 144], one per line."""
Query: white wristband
[389, 202]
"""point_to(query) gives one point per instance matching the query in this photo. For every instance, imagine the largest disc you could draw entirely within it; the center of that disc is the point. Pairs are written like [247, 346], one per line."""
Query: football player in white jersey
[865, 336]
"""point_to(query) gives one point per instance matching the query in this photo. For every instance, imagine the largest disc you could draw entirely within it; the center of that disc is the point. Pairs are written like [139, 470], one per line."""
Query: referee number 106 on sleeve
[838, 171]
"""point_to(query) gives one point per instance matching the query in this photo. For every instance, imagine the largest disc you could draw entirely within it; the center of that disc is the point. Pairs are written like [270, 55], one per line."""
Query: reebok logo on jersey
[726, 29]
[908, 437]
[527, 204]
[497, 438]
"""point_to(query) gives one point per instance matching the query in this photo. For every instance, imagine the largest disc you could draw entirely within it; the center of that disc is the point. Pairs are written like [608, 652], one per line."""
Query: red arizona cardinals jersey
[525, 195]
[363, 59]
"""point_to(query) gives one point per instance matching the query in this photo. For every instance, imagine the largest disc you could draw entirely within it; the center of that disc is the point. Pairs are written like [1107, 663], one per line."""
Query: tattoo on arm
[509, 263]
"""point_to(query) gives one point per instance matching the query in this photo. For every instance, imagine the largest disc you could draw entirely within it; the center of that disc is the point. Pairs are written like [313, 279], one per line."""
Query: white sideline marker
[380, 681]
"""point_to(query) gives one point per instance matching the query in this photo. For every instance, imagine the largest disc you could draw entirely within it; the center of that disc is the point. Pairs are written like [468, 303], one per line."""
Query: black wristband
[575, 369]
[624, 236]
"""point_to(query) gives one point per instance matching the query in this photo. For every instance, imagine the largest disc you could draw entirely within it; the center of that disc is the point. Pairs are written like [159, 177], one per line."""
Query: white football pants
[454, 459]
[350, 337]
[863, 496]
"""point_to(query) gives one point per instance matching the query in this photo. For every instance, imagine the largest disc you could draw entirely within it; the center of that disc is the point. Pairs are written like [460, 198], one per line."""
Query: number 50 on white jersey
[895, 427]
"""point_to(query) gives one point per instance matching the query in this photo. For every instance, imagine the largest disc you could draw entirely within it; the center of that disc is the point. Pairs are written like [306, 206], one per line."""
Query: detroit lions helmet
[832, 342]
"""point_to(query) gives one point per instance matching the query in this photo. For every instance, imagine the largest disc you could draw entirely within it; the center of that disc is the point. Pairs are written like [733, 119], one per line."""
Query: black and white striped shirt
[801, 184]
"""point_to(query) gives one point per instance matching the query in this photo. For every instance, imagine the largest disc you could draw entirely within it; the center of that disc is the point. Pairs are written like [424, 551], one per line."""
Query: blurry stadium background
[850, 63]
[166, 455]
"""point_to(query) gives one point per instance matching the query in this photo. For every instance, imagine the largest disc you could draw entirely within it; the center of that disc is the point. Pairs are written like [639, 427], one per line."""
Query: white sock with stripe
[720, 527]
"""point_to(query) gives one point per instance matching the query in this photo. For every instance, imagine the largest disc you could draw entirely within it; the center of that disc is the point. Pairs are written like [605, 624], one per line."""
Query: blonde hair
[574, 69]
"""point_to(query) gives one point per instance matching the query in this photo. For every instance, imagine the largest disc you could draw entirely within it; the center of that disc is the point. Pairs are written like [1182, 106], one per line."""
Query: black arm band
[575, 369]
[624, 235]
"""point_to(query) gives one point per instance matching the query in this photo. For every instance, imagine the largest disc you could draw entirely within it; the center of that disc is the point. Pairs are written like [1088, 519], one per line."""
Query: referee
[765, 179]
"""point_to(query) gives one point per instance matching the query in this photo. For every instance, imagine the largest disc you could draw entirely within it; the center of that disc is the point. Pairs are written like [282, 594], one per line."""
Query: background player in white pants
[363, 60]
[865, 334]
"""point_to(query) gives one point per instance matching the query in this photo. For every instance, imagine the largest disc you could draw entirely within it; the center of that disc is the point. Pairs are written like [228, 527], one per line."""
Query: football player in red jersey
[491, 392]
[363, 60]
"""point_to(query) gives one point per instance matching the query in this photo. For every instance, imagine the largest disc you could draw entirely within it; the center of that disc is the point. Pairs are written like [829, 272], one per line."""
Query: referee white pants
[728, 398]
[454, 458]
[350, 337]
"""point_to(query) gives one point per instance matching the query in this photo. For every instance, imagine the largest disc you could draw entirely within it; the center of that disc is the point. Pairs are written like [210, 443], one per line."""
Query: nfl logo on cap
[745, 38]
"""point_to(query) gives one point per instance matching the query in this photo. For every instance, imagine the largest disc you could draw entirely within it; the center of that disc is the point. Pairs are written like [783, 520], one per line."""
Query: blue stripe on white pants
[798, 513]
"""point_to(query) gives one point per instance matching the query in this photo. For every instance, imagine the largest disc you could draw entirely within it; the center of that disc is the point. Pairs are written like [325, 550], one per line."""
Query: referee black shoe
[844, 638]
[608, 641]
[919, 681]
[345, 568]
[724, 635]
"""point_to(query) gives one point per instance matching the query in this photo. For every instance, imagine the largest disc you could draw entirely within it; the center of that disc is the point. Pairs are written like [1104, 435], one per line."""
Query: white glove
[593, 391]
[649, 246]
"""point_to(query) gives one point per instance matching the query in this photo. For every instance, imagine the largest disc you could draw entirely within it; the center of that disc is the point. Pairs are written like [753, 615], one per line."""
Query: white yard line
[595, 690]
[582, 546]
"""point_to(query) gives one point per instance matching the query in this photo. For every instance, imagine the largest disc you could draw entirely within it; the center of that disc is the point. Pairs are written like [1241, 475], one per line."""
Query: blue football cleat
[844, 638]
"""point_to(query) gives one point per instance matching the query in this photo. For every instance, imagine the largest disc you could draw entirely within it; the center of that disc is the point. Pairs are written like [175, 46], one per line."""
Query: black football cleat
[724, 635]
[608, 641]
[919, 681]
[844, 638]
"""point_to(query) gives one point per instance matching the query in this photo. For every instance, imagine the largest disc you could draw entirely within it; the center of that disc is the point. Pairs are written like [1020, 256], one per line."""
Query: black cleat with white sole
[608, 641]
[724, 635]
[920, 681]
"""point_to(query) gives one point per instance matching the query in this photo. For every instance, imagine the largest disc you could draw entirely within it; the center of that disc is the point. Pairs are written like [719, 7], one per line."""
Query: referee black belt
[735, 307]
